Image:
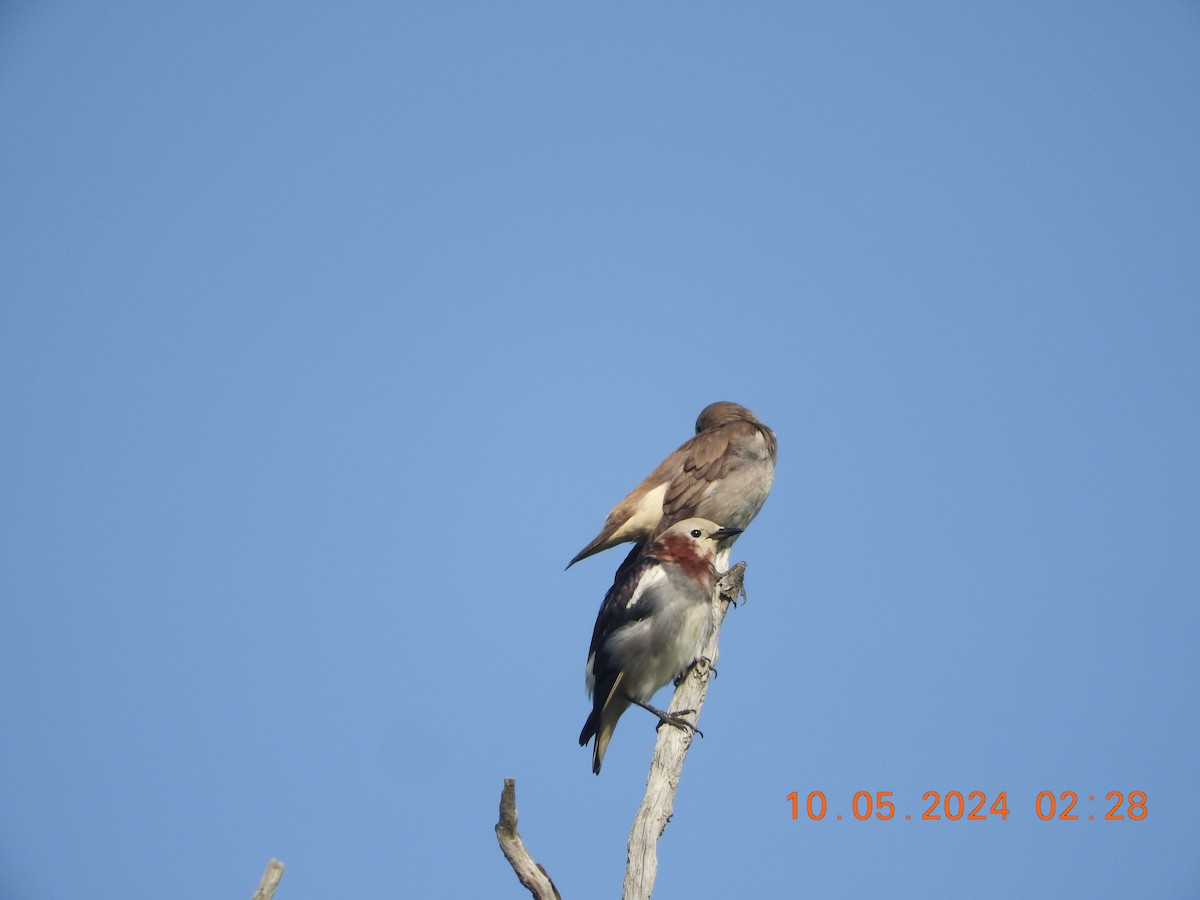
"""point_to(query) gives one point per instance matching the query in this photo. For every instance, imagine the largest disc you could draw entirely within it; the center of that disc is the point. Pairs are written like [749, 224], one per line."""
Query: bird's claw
[670, 718]
[676, 719]
[698, 665]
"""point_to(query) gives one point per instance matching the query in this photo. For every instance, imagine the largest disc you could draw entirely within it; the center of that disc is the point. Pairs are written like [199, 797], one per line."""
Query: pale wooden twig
[270, 881]
[670, 750]
[532, 875]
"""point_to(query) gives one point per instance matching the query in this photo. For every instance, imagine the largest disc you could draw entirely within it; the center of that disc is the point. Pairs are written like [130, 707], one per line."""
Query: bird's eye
[696, 532]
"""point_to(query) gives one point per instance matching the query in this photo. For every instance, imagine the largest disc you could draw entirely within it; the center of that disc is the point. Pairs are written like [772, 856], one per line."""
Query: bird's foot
[701, 666]
[670, 718]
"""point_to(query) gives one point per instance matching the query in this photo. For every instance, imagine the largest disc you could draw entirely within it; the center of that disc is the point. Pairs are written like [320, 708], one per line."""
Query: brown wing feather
[622, 511]
[705, 464]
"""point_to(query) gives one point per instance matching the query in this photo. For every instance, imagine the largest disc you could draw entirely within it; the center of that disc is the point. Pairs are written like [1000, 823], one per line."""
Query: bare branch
[670, 750]
[270, 881]
[530, 874]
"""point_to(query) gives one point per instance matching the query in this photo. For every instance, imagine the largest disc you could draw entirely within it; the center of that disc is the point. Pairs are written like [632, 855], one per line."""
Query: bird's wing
[630, 598]
[640, 509]
[675, 478]
[707, 460]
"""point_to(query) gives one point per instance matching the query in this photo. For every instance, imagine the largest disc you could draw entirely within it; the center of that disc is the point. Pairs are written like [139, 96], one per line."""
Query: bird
[722, 474]
[652, 626]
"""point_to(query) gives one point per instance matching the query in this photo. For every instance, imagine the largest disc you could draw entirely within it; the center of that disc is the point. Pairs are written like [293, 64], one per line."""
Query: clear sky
[329, 333]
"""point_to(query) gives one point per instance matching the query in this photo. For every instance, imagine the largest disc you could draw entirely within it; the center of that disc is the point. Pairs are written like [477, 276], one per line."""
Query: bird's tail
[602, 738]
[598, 543]
[600, 724]
[600, 727]
[589, 728]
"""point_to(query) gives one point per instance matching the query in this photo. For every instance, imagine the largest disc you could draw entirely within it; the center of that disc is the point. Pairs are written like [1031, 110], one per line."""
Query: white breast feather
[653, 577]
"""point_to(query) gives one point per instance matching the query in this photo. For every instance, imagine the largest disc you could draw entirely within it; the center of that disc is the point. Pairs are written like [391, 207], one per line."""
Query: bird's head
[722, 413]
[692, 540]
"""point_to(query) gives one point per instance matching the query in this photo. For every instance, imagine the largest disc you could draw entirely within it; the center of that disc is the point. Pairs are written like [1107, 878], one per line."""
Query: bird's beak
[722, 533]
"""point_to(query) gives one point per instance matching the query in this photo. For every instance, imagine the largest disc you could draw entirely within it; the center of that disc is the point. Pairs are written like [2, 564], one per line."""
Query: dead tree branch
[270, 881]
[670, 750]
[532, 875]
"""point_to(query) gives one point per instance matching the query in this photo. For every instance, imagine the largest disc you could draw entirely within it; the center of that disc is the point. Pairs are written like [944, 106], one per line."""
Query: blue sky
[329, 334]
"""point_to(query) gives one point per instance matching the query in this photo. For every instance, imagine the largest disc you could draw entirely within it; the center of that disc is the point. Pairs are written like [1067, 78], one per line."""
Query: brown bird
[723, 474]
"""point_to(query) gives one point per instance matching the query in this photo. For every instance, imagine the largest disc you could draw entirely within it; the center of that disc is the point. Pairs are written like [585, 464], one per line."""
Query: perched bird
[723, 474]
[652, 625]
